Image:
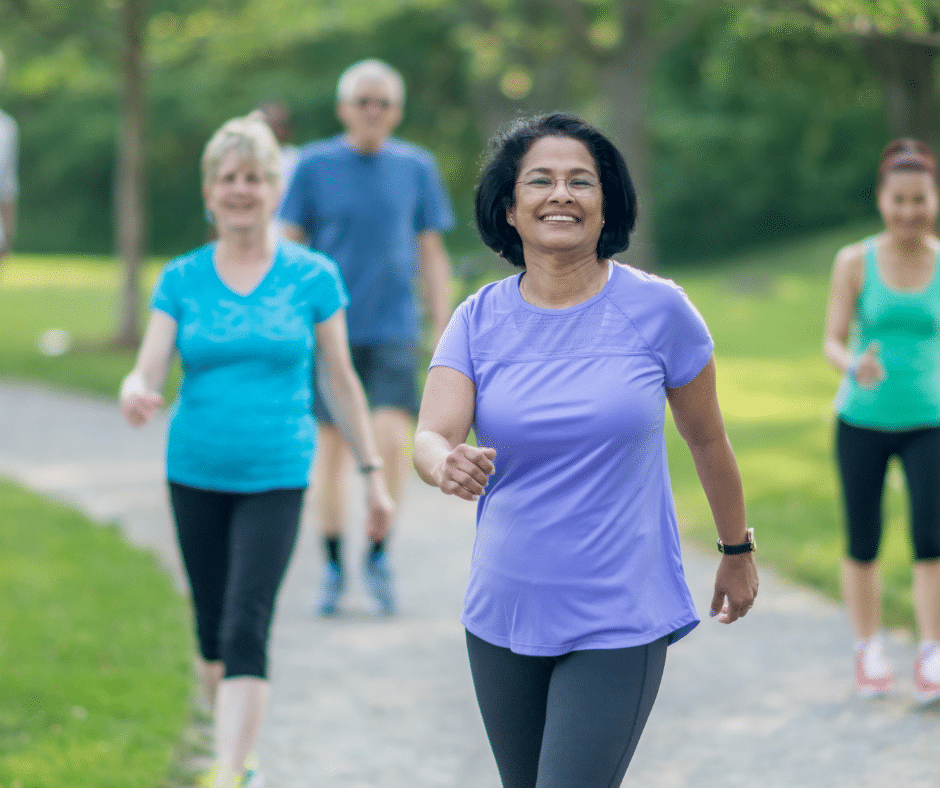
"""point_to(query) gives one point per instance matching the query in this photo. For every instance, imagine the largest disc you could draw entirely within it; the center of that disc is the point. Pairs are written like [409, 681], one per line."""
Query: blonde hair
[371, 71]
[251, 139]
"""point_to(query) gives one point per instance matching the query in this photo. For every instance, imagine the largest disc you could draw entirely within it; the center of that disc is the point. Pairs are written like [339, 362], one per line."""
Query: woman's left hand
[735, 587]
[381, 507]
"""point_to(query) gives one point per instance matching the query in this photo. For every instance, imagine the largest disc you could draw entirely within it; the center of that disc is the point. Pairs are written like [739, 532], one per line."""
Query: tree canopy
[744, 121]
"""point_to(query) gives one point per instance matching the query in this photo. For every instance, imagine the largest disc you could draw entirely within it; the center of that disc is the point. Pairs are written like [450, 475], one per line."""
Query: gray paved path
[367, 703]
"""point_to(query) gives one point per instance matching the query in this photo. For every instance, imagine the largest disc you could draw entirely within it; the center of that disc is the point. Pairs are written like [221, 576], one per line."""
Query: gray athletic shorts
[388, 372]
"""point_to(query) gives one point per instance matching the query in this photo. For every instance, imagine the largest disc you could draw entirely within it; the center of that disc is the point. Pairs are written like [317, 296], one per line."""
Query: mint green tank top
[907, 324]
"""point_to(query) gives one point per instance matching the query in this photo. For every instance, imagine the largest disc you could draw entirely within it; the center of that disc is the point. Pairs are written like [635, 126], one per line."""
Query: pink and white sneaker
[927, 674]
[873, 673]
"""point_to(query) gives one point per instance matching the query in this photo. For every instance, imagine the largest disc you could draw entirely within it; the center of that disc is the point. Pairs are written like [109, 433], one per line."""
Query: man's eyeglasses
[364, 101]
[577, 184]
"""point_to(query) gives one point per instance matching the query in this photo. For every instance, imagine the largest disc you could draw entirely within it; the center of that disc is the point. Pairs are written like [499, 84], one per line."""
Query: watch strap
[736, 549]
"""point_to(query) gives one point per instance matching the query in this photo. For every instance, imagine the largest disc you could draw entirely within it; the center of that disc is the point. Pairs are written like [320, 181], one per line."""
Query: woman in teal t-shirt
[883, 334]
[246, 314]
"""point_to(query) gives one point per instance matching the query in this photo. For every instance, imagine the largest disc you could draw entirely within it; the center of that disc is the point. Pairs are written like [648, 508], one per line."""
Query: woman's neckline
[557, 310]
[257, 284]
[879, 270]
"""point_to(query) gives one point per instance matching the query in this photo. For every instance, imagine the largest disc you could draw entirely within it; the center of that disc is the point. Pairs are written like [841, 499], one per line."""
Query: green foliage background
[755, 133]
[761, 138]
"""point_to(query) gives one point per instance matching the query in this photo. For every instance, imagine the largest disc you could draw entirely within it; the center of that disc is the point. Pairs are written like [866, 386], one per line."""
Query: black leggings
[235, 547]
[863, 462]
[571, 721]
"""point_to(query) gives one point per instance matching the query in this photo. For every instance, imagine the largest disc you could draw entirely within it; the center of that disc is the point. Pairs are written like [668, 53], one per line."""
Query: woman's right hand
[465, 471]
[138, 404]
[867, 370]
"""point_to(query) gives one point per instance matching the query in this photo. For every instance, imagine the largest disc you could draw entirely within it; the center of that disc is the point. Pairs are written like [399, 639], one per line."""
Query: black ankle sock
[334, 550]
[377, 548]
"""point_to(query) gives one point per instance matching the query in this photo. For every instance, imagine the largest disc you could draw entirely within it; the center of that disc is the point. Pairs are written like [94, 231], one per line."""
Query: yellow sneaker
[220, 776]
[252, 776]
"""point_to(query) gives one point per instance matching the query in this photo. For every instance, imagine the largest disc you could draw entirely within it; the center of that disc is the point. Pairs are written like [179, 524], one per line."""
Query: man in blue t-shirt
[377, 206]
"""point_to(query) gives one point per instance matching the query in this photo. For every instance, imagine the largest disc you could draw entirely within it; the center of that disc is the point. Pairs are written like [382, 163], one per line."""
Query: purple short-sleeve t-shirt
[577, 543]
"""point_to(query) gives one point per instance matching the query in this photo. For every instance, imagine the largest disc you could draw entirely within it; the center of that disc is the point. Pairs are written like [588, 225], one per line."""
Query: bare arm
[847, 278]
[441, 455]
[348, 406]
[140, 391]
[9, 188]
[434, 265]
[698, 418]
[347, 399]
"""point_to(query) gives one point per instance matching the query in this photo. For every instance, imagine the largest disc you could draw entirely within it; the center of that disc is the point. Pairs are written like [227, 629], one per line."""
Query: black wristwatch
[736, 549]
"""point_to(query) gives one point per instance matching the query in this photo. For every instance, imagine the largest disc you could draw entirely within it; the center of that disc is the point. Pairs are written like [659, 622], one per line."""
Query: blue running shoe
[378, 579]
[331, 589]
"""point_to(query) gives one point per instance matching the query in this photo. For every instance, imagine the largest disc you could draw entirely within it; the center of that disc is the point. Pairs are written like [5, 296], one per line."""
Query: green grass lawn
[95, 652]
[77, 295]
[95, 643]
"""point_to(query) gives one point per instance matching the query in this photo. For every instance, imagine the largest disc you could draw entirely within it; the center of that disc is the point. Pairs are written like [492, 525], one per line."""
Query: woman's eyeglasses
[577, 184]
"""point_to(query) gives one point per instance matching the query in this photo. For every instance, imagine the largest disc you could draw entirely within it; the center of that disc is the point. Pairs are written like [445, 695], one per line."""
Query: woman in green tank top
[883, 336]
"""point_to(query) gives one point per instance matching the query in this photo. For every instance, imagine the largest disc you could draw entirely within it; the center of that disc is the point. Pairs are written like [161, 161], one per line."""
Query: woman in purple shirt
[563, 372]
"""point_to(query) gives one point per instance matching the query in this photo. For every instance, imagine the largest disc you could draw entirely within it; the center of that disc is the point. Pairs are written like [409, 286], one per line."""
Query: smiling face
[559, 202]
[908, 204]
[240, 197]
[371, 113]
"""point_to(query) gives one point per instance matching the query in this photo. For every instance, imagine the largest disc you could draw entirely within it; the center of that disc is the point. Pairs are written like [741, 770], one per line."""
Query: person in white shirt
[9, 185]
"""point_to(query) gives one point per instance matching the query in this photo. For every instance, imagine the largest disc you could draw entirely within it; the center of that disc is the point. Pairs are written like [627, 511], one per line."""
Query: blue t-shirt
[366, 212]
[577, 543]
[242, 420]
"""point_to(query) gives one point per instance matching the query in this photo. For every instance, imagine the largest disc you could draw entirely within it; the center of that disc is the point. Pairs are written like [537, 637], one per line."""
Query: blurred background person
[277, 114]
[576, 583]
[378, 206]
[9, 185]
[883, 335]
[245, 314]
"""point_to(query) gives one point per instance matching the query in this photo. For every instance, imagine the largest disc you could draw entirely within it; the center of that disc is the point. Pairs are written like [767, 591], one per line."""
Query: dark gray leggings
[571, 721]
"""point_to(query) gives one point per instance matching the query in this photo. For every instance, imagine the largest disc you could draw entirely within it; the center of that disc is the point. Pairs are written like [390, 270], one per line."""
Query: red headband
[907, 159]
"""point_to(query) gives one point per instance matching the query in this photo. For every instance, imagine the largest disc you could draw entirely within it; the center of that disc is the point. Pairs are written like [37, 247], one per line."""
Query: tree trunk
[624, 81]
[129, 180]
[906, 71]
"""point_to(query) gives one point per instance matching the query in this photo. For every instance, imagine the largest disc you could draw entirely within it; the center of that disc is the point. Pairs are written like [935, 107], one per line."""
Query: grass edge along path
[96, 651]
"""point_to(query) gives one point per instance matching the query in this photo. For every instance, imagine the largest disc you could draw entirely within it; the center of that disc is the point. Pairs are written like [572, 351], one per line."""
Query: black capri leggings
[571, 721]
[863, 462]
[236, 547]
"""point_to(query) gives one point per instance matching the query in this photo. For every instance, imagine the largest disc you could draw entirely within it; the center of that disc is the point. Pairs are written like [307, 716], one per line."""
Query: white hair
[371, 71]
[251, 139]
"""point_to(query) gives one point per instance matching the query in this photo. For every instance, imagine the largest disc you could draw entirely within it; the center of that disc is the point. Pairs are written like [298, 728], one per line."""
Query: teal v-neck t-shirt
[242, 421]
[907, 326]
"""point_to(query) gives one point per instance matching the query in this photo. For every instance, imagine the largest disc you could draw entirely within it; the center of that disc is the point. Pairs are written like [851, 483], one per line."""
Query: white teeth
[560, 218]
